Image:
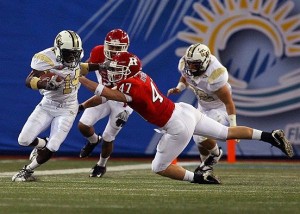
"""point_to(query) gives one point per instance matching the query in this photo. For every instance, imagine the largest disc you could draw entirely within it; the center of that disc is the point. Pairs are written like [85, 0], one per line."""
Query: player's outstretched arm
[182, 84]
[103, 91]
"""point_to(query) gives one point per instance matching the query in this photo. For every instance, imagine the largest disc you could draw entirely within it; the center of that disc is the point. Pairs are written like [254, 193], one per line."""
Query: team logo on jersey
[225, 26]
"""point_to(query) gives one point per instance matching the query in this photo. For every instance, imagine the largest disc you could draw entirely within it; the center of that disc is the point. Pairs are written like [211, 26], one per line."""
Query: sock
[188, 176]
[257, 134]
[41, 143]
[203, 157]
[267, 137]
[34, 164]
[93, 139]
[102, 161]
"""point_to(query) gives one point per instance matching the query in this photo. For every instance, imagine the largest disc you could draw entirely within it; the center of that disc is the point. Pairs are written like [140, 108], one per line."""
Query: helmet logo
[59, 43]
[204, 53]
[132, 61]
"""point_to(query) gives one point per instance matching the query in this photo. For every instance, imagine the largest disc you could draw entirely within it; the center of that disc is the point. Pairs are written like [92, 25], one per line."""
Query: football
[50, 83]
[46, 77]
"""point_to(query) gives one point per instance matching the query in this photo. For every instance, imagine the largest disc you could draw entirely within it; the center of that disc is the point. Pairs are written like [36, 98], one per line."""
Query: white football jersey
[215, 77]
[46, 60]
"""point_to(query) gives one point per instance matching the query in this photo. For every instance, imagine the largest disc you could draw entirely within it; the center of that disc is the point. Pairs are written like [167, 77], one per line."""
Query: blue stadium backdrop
[257, 40]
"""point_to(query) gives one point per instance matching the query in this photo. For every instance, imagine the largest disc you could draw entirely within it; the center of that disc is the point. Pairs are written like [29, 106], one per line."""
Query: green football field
[63, 186]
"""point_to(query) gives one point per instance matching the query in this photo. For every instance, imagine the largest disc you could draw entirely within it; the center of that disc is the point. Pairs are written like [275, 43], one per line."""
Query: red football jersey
[97, 56]
[147, 100]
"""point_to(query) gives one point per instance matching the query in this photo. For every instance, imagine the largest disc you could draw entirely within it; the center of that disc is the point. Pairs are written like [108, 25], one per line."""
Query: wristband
[232, 120]
[99, 89]
[33, 82]
[181, 86]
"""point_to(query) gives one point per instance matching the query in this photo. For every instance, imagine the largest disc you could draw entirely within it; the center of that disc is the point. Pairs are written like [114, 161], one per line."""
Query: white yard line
[87, 170]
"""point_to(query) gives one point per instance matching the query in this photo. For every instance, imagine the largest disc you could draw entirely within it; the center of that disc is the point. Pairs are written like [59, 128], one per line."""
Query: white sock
[188, 176]
[256, 135]
[34, 164]
[203, 157]
[93, 139]
[41, 143]
[102, 161]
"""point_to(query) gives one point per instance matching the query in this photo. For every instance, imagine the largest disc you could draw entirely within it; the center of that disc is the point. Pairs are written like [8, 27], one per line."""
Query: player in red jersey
[178, 121]
[116, 40]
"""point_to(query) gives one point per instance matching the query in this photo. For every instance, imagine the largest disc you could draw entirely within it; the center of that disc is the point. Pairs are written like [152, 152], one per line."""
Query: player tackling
[178, 121]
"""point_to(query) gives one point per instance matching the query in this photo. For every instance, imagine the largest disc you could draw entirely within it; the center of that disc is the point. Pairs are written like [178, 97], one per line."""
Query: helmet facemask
[112, 48]
[194, 68]
[116, 73]
[70, 58]
[124, 65]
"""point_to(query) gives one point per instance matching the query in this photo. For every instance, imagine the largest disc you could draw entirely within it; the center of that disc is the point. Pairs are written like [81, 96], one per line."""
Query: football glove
[54, 83]
[122, 118]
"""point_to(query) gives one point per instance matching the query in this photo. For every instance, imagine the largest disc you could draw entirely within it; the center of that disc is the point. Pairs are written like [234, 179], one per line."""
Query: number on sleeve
[155, 94]
[124, 86]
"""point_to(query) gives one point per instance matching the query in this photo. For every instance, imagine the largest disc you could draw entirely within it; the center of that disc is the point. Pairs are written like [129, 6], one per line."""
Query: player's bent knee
[158, 167]
[24, 141]
[82, 126]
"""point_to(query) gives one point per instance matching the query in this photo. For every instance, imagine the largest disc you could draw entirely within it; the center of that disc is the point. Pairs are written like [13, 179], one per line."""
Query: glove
[104, 66]
[54, 83]
[122, 118]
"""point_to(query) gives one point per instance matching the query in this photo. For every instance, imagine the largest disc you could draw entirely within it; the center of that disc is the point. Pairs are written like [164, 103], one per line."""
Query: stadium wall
[258, 41]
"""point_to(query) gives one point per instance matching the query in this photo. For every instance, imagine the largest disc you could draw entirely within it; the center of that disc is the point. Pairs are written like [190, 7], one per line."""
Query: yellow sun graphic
[217, 25]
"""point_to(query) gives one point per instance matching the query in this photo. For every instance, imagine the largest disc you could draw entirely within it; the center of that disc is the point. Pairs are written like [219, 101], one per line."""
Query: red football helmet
[123, 66]
[116, 41]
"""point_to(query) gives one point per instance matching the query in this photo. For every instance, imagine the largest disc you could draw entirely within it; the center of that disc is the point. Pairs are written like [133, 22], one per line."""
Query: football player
[208, 78]
[55, 73]
[179, 121]
[116, 41]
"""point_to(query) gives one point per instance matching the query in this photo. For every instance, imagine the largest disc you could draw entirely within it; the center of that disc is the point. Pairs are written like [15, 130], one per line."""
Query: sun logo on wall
[215, 26]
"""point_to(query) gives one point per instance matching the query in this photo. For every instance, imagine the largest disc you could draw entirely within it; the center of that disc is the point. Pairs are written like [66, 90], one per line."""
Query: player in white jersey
[208, 78]
[59, 105]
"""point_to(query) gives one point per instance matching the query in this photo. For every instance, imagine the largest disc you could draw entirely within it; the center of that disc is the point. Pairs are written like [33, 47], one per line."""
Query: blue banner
[257, 40]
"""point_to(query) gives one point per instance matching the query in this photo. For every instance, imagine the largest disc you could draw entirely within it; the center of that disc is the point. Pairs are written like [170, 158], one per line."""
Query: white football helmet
[68, 48]
[197, 59]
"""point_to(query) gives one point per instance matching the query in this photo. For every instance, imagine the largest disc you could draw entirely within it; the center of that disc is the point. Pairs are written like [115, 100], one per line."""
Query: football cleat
[282, 143]
[98, 171]
[202, 169]
[24, 175]
[213, 159]
[88, 148]
[207, 164]
[205, 178]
